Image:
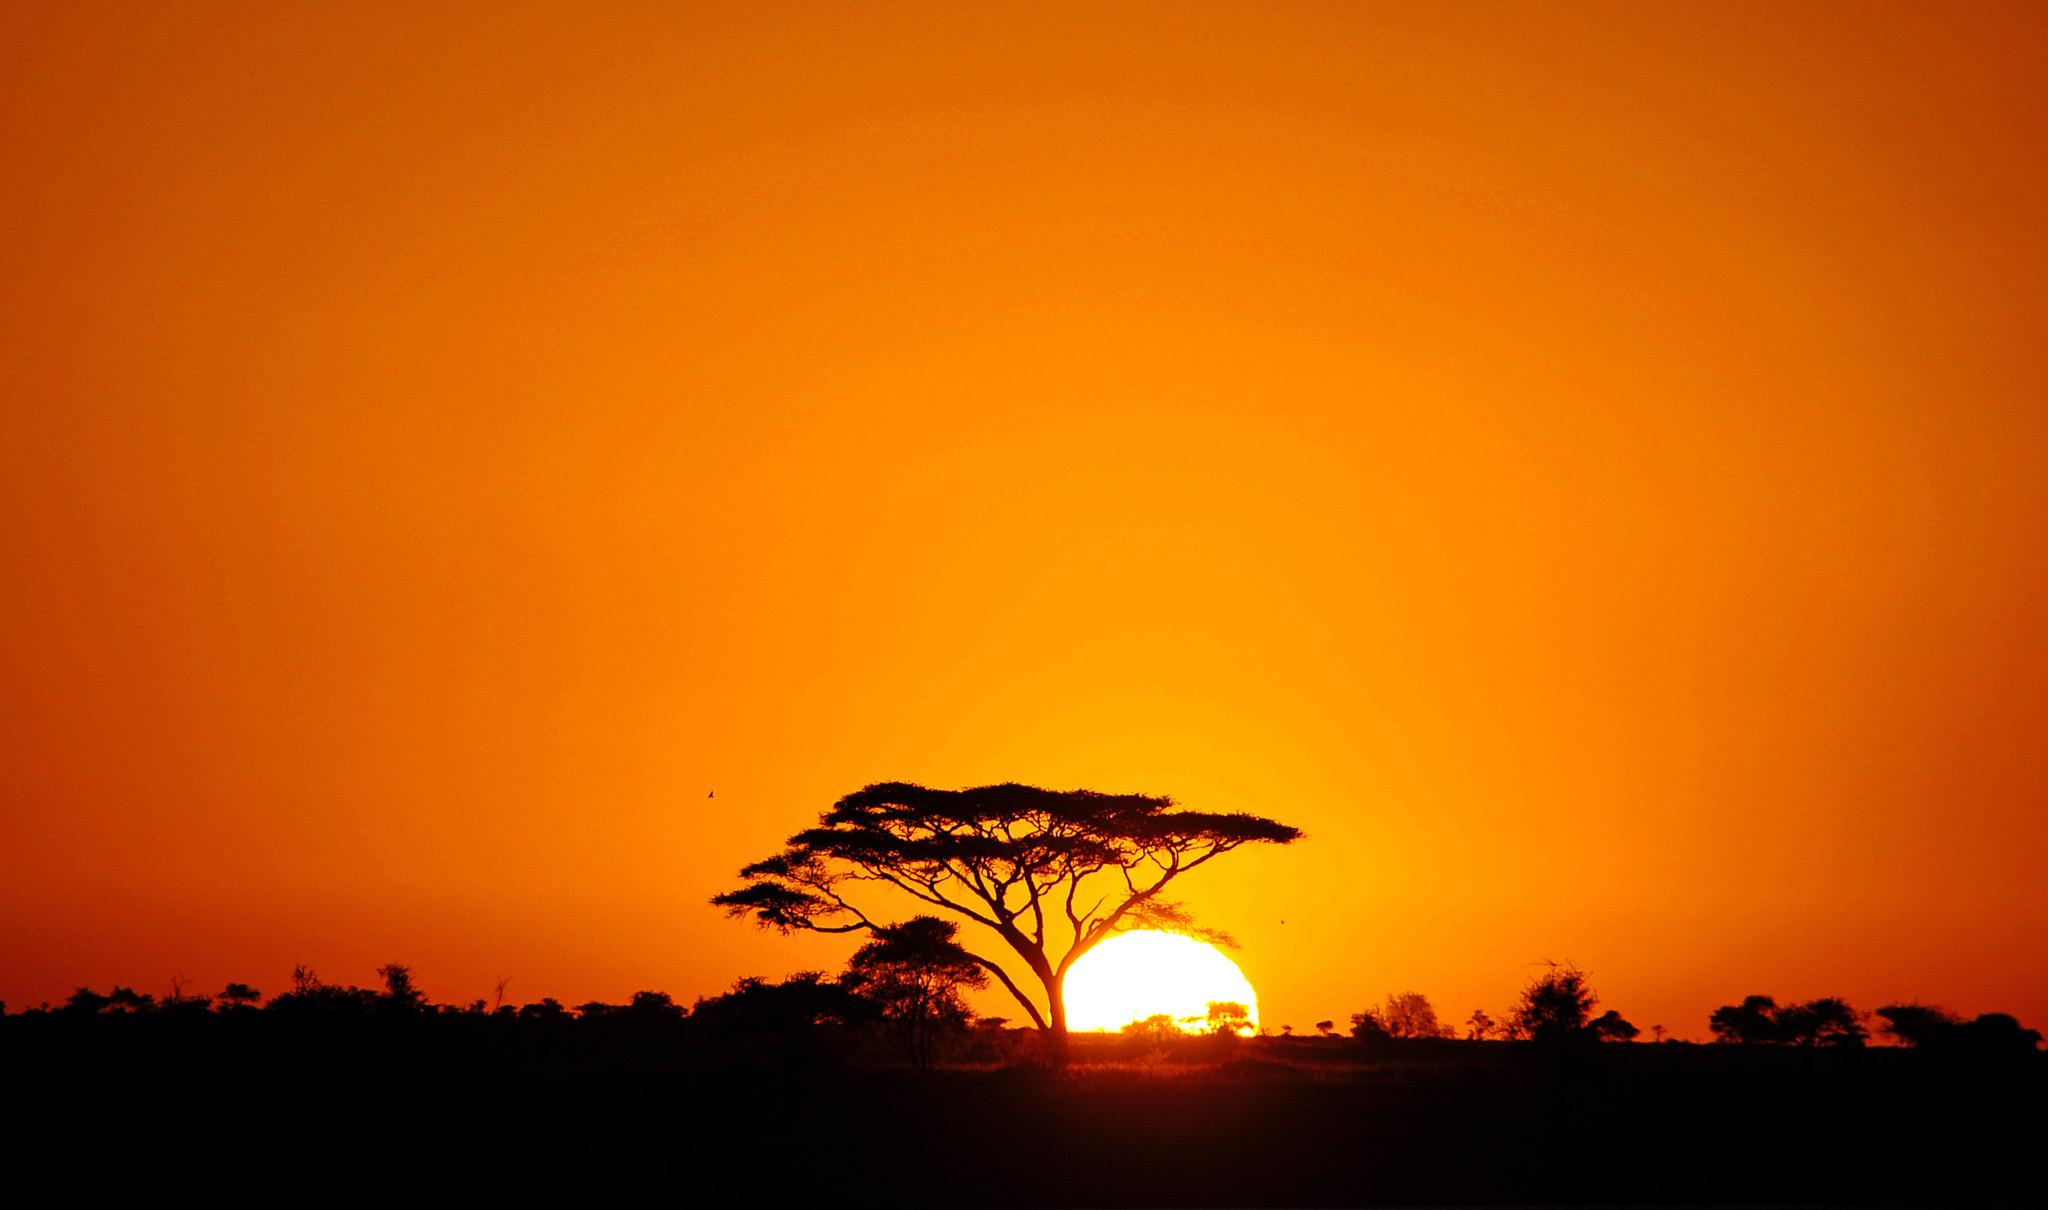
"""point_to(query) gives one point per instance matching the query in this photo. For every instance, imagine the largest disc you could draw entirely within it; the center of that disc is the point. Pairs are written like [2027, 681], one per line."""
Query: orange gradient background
[1585, 465]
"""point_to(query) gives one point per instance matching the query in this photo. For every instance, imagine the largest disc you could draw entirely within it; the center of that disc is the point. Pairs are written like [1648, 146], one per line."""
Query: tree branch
[1003, 976]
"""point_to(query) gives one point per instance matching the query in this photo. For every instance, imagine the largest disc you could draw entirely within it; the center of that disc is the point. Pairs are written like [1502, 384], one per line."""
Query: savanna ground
[462, 1105]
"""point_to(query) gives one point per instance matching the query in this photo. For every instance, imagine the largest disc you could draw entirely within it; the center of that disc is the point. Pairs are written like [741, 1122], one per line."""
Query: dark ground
[208, 1106]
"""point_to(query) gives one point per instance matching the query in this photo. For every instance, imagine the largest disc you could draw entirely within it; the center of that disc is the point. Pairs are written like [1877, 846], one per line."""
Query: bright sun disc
[1141, 974]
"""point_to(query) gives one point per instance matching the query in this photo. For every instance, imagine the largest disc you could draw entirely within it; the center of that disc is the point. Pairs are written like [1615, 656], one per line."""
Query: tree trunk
[1055, 1032]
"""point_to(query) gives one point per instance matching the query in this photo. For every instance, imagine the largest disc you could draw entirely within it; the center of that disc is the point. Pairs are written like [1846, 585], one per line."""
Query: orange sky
[1585, 466]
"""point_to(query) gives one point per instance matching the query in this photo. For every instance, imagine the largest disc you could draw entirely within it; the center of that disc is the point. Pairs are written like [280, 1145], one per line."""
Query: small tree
[399, 993]
[1228, 1018]
[238, 997]
[1750, 1023]
[1610, 1026]
[915, 973]
[1327, 1029]
[1557, 1007]
[1410, 1015]
[1479, 1026]
[2000, 1033]
[1828, 1021]
[85, 1002]
[1368, 1026]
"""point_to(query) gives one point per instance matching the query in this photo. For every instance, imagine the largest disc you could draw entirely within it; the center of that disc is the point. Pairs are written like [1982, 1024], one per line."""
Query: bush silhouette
[1925, 1027]
[1369, 1027]
[1611, 1026]
[1762, 1021]
[1557, 1008]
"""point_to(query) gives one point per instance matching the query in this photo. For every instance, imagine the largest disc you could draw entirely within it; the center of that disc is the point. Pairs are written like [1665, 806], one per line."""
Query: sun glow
[1144, 973]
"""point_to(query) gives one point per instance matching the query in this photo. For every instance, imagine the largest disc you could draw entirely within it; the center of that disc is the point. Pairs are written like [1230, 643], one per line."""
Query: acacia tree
[236, 997]
[1228, 1018]
[1050, 874]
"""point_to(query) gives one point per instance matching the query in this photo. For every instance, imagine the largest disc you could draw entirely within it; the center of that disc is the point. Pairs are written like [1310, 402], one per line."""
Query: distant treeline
[810, 1017]
[1558, 1007]
[901, 998]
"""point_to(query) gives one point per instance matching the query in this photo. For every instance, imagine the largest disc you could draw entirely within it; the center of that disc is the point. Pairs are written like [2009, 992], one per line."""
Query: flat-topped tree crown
[1050, 872]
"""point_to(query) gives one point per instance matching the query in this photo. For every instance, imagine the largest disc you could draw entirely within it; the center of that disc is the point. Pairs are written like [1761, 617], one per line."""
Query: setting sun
[1146, 973]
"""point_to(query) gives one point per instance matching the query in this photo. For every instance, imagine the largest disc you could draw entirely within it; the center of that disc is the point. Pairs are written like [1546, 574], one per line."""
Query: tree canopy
[1761, 1020]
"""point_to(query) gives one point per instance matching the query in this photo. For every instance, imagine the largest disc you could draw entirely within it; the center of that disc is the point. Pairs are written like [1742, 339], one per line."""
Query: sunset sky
[1586, 466]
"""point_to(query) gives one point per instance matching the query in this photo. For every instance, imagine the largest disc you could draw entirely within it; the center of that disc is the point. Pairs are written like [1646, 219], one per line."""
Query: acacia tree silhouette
[236, 997]
[1228, 1018]
[1014, 859]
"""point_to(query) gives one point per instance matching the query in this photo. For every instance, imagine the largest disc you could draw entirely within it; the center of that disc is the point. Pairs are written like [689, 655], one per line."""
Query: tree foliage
[236, 997]
[1750, 1023]
[1227, 1018]
[1368, 1026]
[400, 994]
[1611, 1026]
[1402, 1015]
[1761, 1020]
[807, 1000]
[1925, 1027]
[1411, 1015]
[1557, 1007]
